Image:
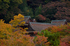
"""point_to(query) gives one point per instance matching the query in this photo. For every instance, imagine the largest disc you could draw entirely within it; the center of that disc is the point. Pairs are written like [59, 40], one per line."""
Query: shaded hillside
[56, 10]
[50, 9]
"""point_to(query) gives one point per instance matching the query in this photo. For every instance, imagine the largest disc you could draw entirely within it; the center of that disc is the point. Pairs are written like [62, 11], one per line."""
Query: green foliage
[8, 8]
[38, 10]
[46, 1]
[53, 38]
[17, 1]
[26, 10]
[7, 1]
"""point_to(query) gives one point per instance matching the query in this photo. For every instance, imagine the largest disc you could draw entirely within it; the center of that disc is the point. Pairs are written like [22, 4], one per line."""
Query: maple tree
[18, 20]
[5, 29]
[41, 41]
[10, 37]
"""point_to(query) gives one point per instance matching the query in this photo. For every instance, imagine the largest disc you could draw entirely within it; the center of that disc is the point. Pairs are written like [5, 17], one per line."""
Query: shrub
[17, 40]
[62, 29]
[41, 41]
[5, 29]
[53, 38]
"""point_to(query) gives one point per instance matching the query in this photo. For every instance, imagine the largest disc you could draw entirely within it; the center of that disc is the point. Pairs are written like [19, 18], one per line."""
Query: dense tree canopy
[47, 8]
[8, 8]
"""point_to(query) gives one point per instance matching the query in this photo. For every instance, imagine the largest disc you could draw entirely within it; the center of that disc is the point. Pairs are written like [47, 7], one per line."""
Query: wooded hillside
[51, 9]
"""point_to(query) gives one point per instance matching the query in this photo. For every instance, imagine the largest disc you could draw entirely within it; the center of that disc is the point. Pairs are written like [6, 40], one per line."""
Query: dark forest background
[41, 10]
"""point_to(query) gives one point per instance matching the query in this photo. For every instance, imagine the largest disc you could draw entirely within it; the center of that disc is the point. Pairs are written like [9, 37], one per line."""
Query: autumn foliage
[41, 41]
[53, 36]
[11, 35]
[5, 29]
[63, 29]
[18, 20]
